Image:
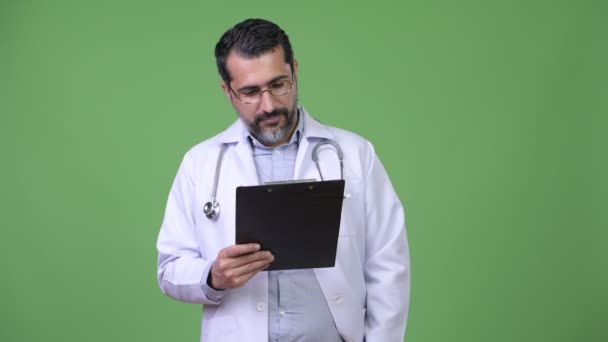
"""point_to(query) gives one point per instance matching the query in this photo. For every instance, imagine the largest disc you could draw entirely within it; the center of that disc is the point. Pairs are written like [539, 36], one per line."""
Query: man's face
[272, 119]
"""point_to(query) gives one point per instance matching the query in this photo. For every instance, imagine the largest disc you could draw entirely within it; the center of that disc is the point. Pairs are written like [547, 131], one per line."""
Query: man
[364, 297]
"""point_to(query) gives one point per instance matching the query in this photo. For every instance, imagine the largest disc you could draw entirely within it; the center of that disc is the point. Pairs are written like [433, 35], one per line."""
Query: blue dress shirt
[297, 310]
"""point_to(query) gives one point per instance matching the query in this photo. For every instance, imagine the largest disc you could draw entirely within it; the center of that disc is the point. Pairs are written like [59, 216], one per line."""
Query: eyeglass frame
[292, 82]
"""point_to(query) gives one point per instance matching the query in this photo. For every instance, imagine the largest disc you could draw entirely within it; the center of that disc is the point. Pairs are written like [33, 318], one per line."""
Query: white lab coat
[368, 289]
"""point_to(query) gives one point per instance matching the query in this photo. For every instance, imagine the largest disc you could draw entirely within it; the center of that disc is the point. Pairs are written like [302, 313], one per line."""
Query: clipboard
[298, 222]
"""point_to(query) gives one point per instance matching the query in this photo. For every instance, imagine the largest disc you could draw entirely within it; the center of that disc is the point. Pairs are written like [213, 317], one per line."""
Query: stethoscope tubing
[315, 155]
[211, 209]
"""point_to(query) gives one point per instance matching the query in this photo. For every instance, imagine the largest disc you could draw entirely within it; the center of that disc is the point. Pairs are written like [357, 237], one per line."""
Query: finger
[237, 250]
[245, 259]
[252, 267]
[239, 281]
[231, 278]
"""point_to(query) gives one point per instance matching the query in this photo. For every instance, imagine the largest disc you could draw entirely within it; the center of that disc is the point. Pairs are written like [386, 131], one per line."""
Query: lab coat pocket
[219, 328]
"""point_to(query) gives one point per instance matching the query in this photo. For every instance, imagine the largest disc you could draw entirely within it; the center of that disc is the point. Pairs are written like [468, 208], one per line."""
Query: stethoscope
[211, 209]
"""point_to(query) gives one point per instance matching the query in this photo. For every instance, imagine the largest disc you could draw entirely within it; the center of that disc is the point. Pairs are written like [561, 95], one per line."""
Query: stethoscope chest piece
[211, 209]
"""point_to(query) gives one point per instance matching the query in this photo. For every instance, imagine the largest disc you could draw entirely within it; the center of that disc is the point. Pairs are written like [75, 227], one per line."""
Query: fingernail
[257, 247]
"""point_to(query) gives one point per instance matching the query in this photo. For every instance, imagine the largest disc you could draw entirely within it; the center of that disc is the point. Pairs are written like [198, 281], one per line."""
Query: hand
[236, 264]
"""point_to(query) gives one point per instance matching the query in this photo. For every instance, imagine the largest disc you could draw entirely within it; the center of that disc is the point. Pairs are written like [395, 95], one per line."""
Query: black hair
[251, 38]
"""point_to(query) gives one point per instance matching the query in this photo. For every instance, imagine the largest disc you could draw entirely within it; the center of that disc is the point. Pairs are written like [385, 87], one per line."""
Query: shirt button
[282, 313]
[338, 299]
[260, 306]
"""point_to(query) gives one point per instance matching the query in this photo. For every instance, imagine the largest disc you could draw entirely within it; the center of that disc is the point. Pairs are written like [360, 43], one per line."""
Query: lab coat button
[282, 313]
[260, 306]
[338, 299]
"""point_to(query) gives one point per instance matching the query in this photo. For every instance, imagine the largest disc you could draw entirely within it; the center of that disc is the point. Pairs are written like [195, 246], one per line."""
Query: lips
[271, 120]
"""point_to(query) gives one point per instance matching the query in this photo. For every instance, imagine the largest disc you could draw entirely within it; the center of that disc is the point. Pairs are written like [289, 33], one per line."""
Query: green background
[489, 116]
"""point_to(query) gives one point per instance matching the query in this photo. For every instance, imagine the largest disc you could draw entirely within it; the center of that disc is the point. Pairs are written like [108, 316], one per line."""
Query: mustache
[268, 115]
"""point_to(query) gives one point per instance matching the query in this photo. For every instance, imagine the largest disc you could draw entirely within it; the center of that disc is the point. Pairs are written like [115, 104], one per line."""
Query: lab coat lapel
[238, 133]
[331, 282]
[245, 156]
[313, 132]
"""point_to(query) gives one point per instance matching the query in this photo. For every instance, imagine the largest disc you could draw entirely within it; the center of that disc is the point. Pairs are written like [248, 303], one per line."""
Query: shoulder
[202, 150]
[205, 147]
[359, 153]
[349, 137]
[352, 141]
[341, 136]
[209, 149]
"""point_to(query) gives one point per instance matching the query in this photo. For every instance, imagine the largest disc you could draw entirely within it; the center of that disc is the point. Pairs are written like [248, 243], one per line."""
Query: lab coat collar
[238, 132]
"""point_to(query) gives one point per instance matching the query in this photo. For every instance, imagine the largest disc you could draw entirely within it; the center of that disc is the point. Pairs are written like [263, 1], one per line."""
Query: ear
[295, 68]
[226, 90]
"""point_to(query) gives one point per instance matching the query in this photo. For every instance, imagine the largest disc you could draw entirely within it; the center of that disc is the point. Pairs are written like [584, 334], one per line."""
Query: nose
[266, 101]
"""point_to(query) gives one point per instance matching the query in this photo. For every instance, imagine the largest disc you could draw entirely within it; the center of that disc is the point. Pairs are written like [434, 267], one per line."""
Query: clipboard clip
[292, 181]
[347, 195]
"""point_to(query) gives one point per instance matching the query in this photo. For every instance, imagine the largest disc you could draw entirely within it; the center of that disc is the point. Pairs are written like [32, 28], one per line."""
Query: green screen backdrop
[490, 117]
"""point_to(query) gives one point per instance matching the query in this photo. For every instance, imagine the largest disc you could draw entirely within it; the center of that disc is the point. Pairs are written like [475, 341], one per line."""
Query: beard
[270, 136]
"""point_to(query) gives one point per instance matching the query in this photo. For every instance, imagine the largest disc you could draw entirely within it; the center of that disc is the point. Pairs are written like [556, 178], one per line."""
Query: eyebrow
[249, 87]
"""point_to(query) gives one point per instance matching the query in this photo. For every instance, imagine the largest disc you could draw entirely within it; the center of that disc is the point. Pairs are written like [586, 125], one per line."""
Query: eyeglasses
[253, 95]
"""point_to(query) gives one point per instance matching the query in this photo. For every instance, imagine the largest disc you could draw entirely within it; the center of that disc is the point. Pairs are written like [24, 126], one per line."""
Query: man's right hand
[236, 264]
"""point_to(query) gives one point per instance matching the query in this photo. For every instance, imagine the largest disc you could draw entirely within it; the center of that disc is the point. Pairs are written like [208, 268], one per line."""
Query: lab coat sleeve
[181, 268]
[387, 263]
